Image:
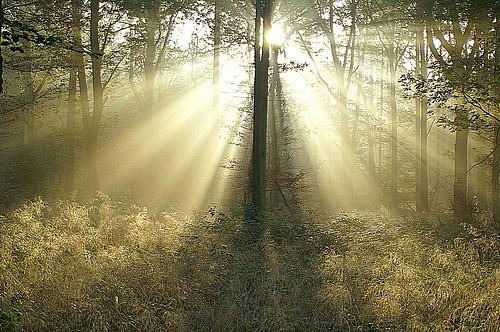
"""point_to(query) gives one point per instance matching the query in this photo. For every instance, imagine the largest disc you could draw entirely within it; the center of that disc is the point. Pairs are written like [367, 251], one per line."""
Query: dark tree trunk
[80, 62]
[422, 197]
[1, 55]
[69, 183]
[381, 117]
[461, 151]
[370, 109]
[91, 175]
[29, 108]
[273, 133]
[393, 188]
[262, 26]
[495, 178]
[346, 147]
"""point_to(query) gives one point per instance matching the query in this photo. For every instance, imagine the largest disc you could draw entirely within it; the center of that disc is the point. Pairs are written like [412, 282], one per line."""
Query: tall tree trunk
[217, 46]
[92, 179]
[29, 102]
[1, 55]
[495, 178]
[370, 109]
[393, 189]
[381, 116]
[273, 132]
[461, 151]
[418, 131]
[346, 144]
[69, 183]
[152, 26]
[79, 60]
[263, 10]
[149, 70]
[422, 175]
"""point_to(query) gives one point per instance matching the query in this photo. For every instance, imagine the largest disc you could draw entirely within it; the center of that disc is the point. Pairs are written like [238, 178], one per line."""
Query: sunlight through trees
[346, 141]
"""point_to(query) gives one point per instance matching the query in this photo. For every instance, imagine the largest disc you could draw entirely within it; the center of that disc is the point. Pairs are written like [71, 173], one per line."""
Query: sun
[276, 35]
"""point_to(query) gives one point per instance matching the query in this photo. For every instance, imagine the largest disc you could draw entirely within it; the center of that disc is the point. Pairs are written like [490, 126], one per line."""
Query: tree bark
[422, 174]
[29, 101]
[92, 178]
[370, 109]
[273, 133]
[495, 178]
[262, 26]
[393, 188]
[461, 151]
[346, 146]
[69, 183]
[80, 62]
[381, 116]
[1, 54]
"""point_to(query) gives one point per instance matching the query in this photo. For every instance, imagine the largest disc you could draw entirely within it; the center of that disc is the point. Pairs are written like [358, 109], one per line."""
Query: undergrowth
[118, 267]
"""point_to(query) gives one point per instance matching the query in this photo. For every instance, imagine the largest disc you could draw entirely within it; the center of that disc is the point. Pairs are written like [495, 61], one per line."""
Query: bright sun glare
[276, 34]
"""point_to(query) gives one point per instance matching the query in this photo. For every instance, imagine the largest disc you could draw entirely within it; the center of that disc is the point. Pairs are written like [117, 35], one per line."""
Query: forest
[249, 165]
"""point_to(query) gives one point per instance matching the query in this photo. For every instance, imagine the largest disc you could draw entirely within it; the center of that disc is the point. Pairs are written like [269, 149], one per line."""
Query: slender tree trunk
[495, 178]
[370, 109]
[418, 131]
[70, 133]
[424, 179]
[80, 62]
[482, 188]
[262, 26]
[149, 70]
[359, 99]
[273, 133]
[422, 175]
[149, 82]
[92, 179]
[1, 38]
[217, 46]
[461, 151]
[29, 108]
[381, 116]
[393, 189]
[346, 143]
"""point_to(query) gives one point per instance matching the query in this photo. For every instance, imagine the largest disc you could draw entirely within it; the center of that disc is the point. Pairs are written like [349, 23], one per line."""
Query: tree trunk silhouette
[495, 178]
[263, 11]
[393, 187]
[422, 190]
[275, 168]
[91, 173]
[461, 158]
[69, 183]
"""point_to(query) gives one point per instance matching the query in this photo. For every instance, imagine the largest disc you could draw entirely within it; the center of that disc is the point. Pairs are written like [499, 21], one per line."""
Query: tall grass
[118, 267]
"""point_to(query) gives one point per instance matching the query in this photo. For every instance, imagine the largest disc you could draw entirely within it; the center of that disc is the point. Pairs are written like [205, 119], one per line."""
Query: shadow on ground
[268, 279]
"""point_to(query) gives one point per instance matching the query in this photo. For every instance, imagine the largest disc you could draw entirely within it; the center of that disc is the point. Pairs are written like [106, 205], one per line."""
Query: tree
[455, 26]
[91, 174]
[263, 14]
[421, 61]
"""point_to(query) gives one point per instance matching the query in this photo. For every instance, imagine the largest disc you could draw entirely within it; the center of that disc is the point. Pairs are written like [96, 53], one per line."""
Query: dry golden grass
[117, 267]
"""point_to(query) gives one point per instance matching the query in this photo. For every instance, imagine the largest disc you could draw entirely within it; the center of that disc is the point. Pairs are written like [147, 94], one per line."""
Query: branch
[112, 74]
[478, 106]
[482, 161]
[325, 83]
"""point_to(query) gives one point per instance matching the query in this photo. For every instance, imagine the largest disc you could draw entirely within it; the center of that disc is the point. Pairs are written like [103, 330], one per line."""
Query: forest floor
[118, 267]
